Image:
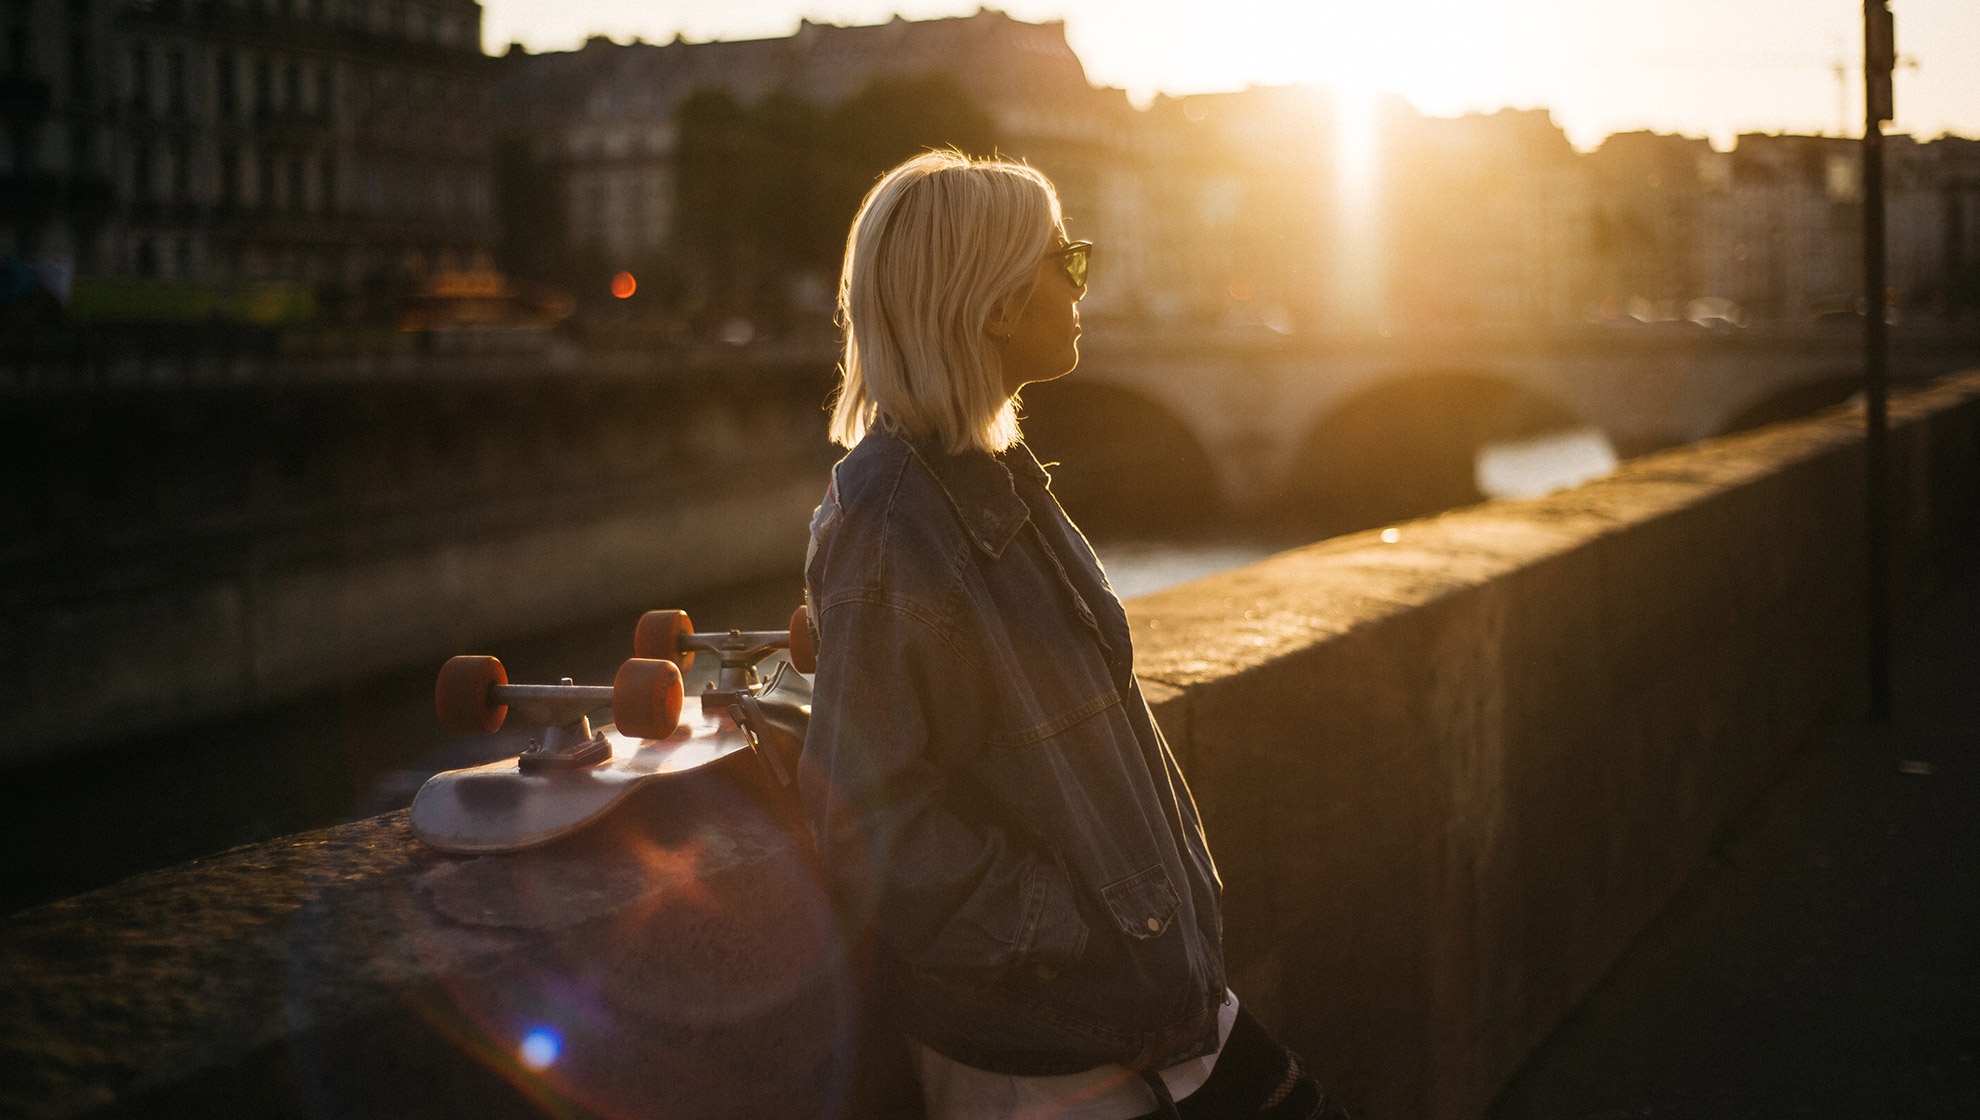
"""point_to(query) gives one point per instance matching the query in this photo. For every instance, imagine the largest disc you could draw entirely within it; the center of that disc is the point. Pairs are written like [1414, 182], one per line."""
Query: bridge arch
[1127, 464]
[1408, 446]
[1786, 403]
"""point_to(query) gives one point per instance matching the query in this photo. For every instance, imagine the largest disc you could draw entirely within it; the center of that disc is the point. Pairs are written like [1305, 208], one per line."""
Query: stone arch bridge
[1272, 416]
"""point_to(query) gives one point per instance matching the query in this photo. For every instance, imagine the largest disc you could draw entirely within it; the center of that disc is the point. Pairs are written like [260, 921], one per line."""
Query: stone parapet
[1449, 771]
[687, 960]
[1451, 768]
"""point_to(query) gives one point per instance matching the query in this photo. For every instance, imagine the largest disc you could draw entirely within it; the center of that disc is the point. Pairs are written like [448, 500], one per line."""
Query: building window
[20, 43]
[291, 87]
[141, 185]
[82, 76]
[264, 86]
[82, 151]
[181, 172]
[175, 82]
[325, 100]
[230, 178]
[329, 185]
[298, 197]
[265, 182]
[20, 147]
[226, 89]
[140, 80]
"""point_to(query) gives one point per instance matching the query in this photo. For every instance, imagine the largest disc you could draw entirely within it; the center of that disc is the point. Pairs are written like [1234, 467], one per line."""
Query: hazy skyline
[1692, 66]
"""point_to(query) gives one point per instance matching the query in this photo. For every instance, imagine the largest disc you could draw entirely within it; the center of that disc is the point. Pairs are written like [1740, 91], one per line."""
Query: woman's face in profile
[1043, 341]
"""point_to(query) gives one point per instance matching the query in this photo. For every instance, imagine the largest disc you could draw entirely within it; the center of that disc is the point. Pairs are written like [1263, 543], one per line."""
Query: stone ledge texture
[1447, 778]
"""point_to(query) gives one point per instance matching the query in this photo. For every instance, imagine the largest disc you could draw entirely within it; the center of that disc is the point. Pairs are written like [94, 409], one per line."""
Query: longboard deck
[497, 807]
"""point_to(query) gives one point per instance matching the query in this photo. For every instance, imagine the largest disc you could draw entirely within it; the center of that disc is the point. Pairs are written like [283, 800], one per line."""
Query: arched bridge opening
[1409, 447]
[1127, 466]
[1793, 402]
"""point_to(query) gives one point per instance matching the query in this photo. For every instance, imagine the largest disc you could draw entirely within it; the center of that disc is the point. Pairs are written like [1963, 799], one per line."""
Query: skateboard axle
[564, 711]
[551, 704]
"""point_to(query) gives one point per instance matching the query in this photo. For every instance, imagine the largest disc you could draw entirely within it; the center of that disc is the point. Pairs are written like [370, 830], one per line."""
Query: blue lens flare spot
[540, 1047]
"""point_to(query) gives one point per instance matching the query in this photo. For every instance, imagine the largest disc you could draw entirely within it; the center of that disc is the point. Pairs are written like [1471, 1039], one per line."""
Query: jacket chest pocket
[1143, 904]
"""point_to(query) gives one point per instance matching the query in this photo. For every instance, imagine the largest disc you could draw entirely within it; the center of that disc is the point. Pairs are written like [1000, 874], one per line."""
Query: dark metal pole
[1879, 59]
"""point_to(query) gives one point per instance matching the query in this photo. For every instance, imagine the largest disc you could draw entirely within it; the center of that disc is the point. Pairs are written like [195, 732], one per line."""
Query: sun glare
[1357, 160]
[1445, 56]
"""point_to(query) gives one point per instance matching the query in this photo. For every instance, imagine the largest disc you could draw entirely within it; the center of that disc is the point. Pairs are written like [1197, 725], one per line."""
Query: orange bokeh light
[623, 285]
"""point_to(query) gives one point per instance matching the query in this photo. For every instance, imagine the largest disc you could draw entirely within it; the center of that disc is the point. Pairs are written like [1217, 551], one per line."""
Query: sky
[1701, 67]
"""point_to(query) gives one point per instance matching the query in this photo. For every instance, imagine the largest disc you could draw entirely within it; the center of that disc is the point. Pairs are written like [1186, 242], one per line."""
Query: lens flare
[623, 285]
[540, 1048]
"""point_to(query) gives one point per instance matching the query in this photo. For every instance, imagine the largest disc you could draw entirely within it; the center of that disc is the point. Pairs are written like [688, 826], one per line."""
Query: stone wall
[1448, 776]
[188, 551]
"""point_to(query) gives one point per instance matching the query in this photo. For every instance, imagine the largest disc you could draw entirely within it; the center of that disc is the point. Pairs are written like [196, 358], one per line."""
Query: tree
[528, 210]
[765, 193]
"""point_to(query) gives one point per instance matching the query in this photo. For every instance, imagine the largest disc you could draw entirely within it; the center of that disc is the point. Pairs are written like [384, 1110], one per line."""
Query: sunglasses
[1073, 260]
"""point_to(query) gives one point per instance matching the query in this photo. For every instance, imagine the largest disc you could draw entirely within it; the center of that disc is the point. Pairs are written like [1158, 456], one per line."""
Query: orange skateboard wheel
[804, 655]
[658, 637]
[646, 698]
[464, 695]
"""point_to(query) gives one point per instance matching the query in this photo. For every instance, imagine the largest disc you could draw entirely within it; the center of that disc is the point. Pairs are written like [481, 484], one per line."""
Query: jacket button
[1154, 926]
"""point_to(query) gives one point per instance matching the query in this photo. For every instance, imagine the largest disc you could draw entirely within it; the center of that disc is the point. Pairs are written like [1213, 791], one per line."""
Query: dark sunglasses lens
[1076, 266]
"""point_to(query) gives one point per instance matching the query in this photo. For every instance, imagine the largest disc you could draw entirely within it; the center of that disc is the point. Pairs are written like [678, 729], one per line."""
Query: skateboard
[573, 773]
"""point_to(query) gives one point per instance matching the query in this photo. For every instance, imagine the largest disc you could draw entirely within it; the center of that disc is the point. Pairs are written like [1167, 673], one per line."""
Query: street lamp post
[1879, 59]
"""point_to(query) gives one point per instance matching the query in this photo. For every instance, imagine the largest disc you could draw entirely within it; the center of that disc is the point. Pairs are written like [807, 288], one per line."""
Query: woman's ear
[998, 323]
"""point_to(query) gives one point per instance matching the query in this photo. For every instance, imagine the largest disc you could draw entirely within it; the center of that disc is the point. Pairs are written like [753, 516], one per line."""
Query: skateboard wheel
[658, 637]
[804, 655]
[646, 698]
[464, 695]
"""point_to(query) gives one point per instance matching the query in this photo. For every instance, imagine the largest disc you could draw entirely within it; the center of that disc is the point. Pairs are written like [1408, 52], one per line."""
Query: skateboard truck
[473, 694]
[566, 744]
[766, 715]
[670, 636]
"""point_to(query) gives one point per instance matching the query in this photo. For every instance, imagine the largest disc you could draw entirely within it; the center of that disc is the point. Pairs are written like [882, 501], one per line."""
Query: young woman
[983, 780]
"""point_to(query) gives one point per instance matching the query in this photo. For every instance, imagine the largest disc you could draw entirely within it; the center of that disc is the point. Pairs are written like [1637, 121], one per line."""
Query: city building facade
[339, 144]
[360, 148]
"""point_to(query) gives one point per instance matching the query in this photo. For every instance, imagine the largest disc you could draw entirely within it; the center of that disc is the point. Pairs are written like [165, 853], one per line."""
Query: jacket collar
[981, 488]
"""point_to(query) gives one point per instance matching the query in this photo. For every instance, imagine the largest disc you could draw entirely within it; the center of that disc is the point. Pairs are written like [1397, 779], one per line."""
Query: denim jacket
[984, 781]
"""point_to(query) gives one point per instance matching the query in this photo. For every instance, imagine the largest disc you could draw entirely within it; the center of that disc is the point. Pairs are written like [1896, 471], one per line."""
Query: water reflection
[1142, 567]
[1528, 468]
[1524, 468]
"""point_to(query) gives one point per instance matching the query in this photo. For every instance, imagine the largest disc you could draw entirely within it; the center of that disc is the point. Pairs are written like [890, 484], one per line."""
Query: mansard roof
[997, 59]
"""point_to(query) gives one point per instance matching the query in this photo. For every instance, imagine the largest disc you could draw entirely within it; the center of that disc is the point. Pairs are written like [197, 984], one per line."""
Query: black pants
[1256, 1077]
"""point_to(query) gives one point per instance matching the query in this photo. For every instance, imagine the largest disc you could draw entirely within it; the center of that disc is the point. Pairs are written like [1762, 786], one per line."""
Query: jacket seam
[1065, 721]
[887, 523]
[909, 609]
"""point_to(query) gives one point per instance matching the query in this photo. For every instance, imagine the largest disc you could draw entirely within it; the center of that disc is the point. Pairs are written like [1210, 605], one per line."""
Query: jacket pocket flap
[1143, 904]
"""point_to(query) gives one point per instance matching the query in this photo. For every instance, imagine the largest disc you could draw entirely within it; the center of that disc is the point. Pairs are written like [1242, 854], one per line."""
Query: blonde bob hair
[941, 244]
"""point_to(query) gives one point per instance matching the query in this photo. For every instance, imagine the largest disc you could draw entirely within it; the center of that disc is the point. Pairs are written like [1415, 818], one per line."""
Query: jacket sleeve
[894, 707]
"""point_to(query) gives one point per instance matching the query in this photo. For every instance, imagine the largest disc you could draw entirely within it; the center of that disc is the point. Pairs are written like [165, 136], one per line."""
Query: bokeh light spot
[540, 1047]
[623, 285]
